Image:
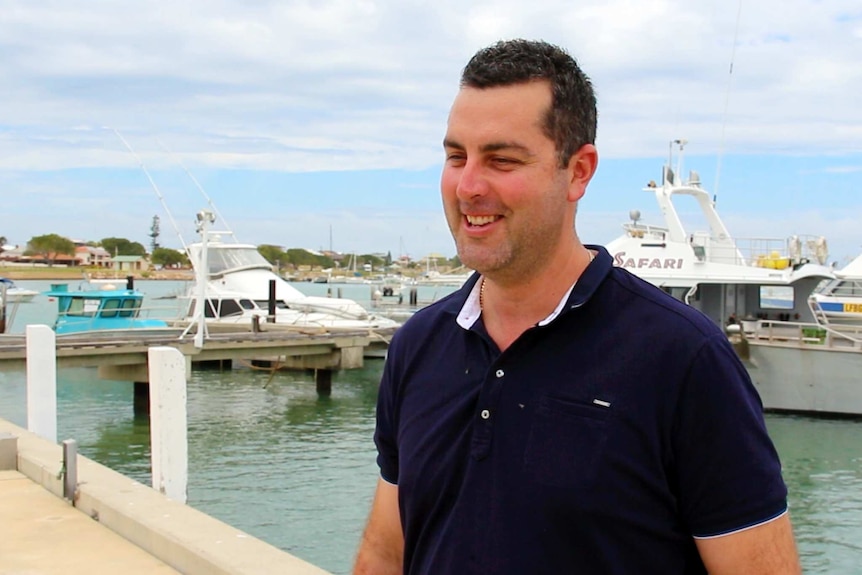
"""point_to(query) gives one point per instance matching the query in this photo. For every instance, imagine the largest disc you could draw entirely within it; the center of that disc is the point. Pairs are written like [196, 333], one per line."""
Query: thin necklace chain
[482, 287]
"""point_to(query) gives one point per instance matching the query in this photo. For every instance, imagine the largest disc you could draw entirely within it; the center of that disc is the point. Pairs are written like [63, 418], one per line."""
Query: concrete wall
[182, 537]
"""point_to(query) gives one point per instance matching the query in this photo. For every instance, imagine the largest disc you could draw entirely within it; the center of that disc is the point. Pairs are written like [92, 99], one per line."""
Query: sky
[319, 124]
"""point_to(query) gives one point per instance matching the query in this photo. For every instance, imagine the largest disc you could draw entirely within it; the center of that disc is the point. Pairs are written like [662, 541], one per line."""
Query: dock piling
[323, 380]
[2, 307]
[270, 312]
[168, 421]
[42, 381]
[142, 398]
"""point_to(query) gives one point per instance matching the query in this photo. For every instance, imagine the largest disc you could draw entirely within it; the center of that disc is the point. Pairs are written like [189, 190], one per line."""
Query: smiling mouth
[481, 220]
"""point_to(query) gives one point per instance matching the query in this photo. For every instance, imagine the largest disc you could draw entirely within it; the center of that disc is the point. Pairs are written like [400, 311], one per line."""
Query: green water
[272, 458]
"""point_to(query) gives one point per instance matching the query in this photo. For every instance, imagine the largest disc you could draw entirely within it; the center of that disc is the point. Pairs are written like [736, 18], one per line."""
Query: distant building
[130, 264]
[89, 256]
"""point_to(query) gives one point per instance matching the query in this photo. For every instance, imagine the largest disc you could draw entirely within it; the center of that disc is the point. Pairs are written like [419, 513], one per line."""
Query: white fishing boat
[839, 301]
[433, 277]
[241, 289]
[759, 289]
[15, 294]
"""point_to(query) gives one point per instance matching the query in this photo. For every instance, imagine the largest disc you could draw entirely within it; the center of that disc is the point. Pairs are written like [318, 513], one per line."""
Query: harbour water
[270, 457]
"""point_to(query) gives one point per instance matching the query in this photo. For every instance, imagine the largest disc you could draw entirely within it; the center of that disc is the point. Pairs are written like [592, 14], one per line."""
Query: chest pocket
[565, 442]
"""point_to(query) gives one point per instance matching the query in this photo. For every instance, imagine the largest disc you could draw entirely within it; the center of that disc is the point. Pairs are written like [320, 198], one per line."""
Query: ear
[582, 166]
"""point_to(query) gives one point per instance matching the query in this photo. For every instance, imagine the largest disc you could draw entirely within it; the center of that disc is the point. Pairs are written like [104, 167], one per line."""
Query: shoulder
[645, 307]
[621, 300]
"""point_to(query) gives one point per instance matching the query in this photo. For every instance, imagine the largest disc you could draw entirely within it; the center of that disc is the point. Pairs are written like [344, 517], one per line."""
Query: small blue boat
[107, 309]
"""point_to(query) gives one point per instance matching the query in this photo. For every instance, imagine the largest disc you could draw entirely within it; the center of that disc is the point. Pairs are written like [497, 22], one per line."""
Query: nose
[471, 181]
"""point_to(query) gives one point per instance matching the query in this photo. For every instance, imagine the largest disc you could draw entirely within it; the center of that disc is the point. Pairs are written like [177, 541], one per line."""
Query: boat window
[847, 288]
[246, 304]
[76, 306]
[109, 308]
[776, 297]
[83, 307]
[222, 259]
[229, 307]
[264, 304]
[130, 307]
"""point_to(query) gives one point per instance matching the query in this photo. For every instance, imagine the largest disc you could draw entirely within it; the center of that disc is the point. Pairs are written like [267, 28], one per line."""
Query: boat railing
[772, 253]
[646, 232]
[806, 334]
[777, 253]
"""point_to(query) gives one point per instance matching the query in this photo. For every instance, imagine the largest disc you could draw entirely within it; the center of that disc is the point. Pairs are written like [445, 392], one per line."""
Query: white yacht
[15, 294]
[839, 301]
[241, 286]
[759, 289]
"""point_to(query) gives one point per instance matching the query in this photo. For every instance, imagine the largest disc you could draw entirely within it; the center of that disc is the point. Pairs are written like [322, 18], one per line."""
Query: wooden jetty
[123, 356]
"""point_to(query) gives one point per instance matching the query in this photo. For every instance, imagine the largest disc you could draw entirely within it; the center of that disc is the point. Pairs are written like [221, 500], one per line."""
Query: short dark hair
[571, 121]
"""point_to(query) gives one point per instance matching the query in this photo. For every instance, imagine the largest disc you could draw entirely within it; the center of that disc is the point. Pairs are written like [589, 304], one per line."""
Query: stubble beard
[484, 259]
[510, 259]
[517, 252]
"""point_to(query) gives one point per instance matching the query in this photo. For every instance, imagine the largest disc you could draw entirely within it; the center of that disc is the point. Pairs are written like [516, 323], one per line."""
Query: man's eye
[504, 161]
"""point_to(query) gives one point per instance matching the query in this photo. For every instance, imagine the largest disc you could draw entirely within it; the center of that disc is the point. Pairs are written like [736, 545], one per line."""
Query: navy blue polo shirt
[602, 441]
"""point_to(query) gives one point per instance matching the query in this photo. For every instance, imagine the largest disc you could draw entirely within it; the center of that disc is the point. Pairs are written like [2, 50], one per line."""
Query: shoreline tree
[49, 246]
[123, 247]
[169, 258]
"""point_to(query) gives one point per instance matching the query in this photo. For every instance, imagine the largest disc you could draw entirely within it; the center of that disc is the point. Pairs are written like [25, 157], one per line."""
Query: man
[557, 414]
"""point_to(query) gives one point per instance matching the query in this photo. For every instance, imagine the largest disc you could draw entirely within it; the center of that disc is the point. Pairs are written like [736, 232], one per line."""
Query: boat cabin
[99, 309]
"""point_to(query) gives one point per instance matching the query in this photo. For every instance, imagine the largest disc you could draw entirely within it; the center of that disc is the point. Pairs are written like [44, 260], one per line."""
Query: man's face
[507, 202]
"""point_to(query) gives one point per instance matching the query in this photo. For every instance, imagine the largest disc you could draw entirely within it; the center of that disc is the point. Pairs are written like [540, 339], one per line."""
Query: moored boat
[15, 294]
[238, 287]
[759, 290]
[101, 310]
[839, 301]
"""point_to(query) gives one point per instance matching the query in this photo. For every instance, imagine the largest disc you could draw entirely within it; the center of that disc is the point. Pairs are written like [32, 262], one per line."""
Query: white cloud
[334, 85]
[276, 84]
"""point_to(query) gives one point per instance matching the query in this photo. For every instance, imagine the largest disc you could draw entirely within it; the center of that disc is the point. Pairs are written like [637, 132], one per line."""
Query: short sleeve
[728, 471]
[385, 431]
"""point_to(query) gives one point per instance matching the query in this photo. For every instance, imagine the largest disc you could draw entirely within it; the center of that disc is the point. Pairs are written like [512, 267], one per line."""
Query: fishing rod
[200, 188]
[200, 263]
[155, 188]
[726, 102]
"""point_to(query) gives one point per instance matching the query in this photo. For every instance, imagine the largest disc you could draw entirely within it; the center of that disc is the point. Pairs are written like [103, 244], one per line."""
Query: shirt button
[485, 414]
[500, 373]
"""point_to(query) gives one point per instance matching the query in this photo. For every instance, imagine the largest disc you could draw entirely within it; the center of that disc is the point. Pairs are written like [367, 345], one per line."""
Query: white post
[42, 381]
[168, 431]
[202, 276]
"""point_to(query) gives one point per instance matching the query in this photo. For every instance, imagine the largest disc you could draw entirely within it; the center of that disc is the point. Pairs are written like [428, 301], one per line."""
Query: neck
[510, 308]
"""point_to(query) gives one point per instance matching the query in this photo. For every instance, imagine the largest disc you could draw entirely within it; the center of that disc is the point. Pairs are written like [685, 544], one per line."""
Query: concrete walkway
[117, 525]
[43, 534]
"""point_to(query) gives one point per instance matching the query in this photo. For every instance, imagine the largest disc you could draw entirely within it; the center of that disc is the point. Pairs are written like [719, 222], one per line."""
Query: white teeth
[480, 220]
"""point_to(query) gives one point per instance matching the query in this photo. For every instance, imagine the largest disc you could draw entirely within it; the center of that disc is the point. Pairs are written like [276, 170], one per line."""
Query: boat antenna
[726, 102]
[200, 189]
[155, 187]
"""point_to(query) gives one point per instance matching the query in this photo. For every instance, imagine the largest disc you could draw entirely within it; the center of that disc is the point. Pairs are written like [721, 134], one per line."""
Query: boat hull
[23, 296]
[807, 379]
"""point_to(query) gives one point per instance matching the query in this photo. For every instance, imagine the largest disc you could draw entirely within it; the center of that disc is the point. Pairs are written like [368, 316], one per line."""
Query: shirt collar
[577, 295]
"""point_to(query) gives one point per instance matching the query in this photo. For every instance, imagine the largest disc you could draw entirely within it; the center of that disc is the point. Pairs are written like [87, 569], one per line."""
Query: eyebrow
[490, 147]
